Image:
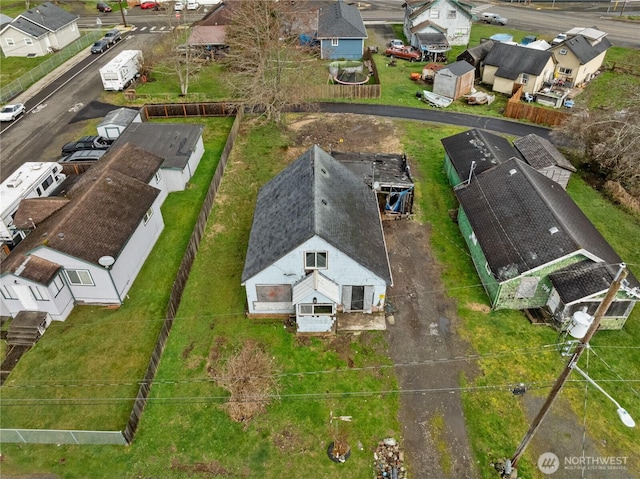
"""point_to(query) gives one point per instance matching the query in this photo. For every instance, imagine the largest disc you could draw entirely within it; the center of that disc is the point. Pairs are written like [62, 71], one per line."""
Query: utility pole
[564, 375]
[124, 22]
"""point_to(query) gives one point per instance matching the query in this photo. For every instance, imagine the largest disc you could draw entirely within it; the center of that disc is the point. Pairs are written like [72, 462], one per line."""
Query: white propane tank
[580, 322]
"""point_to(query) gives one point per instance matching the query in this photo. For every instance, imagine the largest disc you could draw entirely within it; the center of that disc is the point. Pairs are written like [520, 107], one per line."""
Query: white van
[192, 5]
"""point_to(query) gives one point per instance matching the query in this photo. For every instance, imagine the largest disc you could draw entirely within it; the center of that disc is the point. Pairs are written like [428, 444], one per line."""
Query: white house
[87, 246]
[316, 246]
[38, 31]
[452, 18]
[181, 146]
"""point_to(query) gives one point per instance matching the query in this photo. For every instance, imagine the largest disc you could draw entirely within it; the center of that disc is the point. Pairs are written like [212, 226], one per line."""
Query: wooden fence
[541, 116]
[179, 285]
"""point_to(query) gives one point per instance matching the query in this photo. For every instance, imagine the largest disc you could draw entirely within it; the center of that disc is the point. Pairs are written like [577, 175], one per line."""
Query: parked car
[395, 43]
[407, 53]
[103, 7]
[561, 37]
[498, 20]
[179, 6]
[149, 5]
[192, 5]
[83, 156]
[113, 36]
[100, 46]
[11, 112]
[86, 143]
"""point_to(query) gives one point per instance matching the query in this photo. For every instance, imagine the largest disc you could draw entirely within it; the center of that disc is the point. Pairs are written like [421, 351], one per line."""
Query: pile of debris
[389, 460]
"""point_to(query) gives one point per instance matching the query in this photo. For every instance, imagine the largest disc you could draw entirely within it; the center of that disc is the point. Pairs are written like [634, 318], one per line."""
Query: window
[310, 309]
[28, 41]
[315, 260]
[79, 277]
[563, 51]
[56, 285]
[148, 215]
[565, 71]
[8, 292]
[37, 294]
[334, 42]
[158, 176]
[47, 183]
[451, 14]
[10, 42]
[525, 78]
[434, 14]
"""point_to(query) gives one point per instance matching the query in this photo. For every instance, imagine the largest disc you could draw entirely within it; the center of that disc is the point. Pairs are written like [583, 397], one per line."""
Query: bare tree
[609, 141]
[174, 56]
[268, 67]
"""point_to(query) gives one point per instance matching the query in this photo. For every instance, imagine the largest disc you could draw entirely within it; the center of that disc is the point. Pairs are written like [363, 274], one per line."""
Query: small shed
[455, 80]
[388, 174]
[116, 121]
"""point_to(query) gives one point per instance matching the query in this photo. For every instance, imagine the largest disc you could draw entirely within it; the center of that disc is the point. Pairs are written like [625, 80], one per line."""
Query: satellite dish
[106, 261]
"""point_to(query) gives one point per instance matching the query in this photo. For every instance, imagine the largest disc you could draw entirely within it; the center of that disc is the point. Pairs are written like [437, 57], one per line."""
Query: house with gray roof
[341, 32]
[506, 67]
[580, 56]
[316, 246]
[39, 31]
[453, 18]
[476, 55]
[545, 158]
[533, 247]
[88, 245]
[181, 146]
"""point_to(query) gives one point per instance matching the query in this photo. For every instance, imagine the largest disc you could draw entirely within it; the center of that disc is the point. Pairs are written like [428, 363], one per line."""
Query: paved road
[438, 116]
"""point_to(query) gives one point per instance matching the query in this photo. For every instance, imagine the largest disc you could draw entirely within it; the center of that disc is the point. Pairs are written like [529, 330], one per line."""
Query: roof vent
[108, 179]
[14, 183]
[323, 170]
[324, 202]
[553, 230]
[61, 235]
[512, 171]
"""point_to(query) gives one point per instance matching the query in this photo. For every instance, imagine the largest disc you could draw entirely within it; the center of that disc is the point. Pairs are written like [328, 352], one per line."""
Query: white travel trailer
[120, 72]
[31, 180]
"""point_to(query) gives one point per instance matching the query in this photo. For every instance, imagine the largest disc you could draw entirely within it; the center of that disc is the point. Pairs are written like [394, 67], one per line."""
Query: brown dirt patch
[344, 132]
[483, 308]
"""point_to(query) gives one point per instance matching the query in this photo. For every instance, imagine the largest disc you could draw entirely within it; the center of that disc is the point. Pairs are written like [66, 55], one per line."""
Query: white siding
[290, 269]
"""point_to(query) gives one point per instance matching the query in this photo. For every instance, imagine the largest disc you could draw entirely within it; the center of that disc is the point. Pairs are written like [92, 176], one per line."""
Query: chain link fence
[25, 81]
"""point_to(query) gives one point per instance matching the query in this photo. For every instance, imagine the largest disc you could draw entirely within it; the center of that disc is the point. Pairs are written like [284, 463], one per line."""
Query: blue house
[341, 32]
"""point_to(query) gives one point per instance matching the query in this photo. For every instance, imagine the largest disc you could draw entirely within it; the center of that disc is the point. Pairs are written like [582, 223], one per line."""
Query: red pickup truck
[407, 53]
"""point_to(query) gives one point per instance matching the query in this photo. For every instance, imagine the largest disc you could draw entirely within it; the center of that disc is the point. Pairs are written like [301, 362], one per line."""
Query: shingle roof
[341, 20]
[173, 142]
[582, 279]
[486, 149]
[459, 68]
[105, 207]
[583, 49]
[479, 52]
[512, 60]
[316, 195]
[540, 153]
[44, 18]
[523, 220]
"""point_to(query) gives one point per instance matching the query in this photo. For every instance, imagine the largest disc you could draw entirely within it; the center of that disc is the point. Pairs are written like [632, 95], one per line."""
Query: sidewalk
[50, 77]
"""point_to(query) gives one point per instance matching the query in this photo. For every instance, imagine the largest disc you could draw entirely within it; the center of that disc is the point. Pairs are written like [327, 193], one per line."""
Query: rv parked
[120, 72]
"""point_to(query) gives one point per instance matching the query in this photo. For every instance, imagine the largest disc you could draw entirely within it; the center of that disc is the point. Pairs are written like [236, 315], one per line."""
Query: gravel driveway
[422, 334]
